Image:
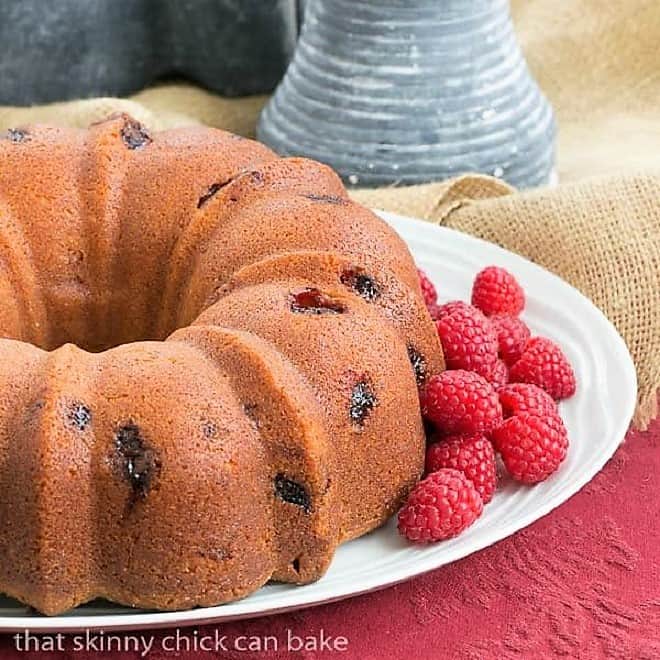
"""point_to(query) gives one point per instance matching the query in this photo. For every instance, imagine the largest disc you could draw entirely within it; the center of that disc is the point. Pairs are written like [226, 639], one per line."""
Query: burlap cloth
[600, 229]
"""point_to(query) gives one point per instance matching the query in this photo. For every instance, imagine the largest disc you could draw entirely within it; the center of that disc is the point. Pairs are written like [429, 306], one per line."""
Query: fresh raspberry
[496, 291]
[461, 402]
[544, 364]
[468, 341]
[512, 335]
[429, 293]
[532, 446]
[500, 376]
[473, 455]
[450, 307]
[439, 507]
[519, 398]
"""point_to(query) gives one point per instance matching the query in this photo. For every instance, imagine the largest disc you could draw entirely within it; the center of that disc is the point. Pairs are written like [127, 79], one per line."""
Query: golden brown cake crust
[205, 367]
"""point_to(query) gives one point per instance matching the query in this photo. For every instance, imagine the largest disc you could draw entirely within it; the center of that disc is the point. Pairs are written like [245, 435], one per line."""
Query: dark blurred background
[52, 50]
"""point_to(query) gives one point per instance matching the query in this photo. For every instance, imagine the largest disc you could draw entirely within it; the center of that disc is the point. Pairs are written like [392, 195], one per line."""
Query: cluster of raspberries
[498, 396]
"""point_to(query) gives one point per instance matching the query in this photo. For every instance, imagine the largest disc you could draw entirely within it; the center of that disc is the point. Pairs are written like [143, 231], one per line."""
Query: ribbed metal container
[408, 91]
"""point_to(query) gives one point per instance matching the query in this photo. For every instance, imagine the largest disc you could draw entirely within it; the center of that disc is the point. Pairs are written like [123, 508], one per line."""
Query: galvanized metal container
[408, 91]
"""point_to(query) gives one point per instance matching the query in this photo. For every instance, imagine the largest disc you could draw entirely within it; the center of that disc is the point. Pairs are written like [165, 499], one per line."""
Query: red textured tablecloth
[583, 582]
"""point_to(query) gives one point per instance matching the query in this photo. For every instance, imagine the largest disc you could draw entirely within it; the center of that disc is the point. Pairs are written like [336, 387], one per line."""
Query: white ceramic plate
[597, 418]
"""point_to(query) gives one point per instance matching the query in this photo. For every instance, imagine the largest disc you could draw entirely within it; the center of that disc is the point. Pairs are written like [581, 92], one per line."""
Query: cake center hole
[95, 322]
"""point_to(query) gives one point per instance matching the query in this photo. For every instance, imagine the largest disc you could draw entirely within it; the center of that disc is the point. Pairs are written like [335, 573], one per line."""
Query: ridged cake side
[364, 384]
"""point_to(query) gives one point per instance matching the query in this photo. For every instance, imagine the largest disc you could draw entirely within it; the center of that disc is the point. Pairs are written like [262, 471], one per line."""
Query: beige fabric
[597, 62]
[159, 108]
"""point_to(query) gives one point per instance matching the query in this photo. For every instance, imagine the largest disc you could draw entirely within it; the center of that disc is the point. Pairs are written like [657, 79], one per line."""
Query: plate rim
[242, 610]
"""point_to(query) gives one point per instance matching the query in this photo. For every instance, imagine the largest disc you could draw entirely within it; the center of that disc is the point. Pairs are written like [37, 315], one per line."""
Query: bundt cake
[208, 371]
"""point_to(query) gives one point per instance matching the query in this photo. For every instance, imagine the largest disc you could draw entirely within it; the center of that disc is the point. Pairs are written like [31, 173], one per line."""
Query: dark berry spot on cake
[257, 176]
[363, 284]
[211, 191]
[313, 301]
[252, 412]
[134, 135]
[16, 135]
[363, 401]
[138, 462]
[295, 564]
[80, 416]
[76, 256]
[327, 199]
[418, 363]
[292, 492]
[209, 429]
